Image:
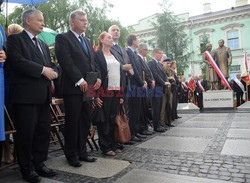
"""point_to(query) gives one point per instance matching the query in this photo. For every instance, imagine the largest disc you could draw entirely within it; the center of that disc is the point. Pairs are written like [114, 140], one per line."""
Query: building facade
[232, 25]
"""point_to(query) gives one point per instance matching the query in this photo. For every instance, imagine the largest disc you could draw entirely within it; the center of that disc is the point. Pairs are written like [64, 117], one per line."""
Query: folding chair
[58, 120]
[13, 132]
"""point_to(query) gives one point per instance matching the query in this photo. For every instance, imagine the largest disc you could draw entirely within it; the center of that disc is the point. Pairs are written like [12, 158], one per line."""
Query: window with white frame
[233, 39]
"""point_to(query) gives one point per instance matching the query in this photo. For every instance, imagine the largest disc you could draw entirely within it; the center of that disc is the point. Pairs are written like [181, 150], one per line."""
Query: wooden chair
[12, 131]
[57, 125]
[57, 121]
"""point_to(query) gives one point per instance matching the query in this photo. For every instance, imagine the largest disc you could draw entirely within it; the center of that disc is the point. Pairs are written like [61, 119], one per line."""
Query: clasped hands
[167, 84]
[128, 68]
[49, 73]
[84, 85]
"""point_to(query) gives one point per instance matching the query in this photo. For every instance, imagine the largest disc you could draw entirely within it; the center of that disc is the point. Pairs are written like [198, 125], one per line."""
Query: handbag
[122, 132]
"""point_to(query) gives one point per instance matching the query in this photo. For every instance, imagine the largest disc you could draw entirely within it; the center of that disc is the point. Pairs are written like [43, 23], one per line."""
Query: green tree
[56, 13]
[204, 40]
[170, 37]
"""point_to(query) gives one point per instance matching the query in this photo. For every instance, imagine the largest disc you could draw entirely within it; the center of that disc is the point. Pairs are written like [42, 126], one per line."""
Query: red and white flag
[191, 84]
[184, 86]
[244, 69]
[217, 70]
[200, 86]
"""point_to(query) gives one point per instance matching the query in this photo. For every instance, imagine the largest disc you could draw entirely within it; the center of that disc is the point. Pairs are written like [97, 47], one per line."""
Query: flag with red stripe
[191, 85]
[244, 69]
[200, 87]
[217, 70]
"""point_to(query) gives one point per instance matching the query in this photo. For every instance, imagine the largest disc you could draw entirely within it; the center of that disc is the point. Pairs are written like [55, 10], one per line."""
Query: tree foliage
[170, 37]
[204, 40]
[56, 15]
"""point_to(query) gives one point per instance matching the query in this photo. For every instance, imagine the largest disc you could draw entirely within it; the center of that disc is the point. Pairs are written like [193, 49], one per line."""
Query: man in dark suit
[31, 75]
[239, 89]
[136, 84]
[76, 57]
[183, 90]
[161, 82]
[200, 88]
[148, 77]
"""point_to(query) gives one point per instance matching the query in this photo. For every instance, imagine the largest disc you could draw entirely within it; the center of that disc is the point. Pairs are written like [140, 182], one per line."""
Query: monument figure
[211, 76]
[223, 57]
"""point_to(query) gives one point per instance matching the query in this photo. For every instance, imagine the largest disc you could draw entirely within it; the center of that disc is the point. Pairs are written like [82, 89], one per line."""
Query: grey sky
[130, 11]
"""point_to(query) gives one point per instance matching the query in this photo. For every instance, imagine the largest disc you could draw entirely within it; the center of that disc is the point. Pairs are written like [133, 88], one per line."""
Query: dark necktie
[36, 44]
[85, 48]
[40, 50]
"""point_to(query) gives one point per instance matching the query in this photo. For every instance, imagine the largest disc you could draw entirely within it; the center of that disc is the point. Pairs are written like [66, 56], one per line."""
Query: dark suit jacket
[101, 67]
[120, 54]
[75, 63]
[28, 85]
[236, 87]
[136, 79]
[204, 84]
[158, 74]
[147, 72]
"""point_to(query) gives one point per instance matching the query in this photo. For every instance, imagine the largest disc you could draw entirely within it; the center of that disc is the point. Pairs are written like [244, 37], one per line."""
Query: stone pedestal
[218, 99]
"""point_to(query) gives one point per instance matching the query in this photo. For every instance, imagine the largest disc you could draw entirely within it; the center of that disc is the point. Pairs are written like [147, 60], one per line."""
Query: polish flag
[244, 69]
[191, 84]
[217, 70]
[200, 87]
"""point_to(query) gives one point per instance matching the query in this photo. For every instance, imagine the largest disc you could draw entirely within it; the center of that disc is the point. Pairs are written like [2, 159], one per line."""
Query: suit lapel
[32, 45]
[103, 62]
[77, 42]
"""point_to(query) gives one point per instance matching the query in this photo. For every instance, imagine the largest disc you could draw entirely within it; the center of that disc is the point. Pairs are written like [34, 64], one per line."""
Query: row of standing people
[121, 71]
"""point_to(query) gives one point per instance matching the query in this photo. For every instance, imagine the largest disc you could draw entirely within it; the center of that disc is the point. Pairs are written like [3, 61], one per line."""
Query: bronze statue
[223, 57]
[211, 75]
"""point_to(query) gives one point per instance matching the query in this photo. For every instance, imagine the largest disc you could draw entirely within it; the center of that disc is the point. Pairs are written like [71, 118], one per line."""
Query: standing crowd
[121, 78]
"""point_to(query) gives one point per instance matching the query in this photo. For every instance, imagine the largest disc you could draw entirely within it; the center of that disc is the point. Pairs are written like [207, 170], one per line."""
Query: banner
[217, 70]
[244, 69]
[191, 84]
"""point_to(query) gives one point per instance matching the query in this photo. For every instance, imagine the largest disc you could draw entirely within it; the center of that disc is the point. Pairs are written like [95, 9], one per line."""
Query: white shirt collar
[76, 35]
[141, 56]
[156, 60]
[29, 34]
[132, 48]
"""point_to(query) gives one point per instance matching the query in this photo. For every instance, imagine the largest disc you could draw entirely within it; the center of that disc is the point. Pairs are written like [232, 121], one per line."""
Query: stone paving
[206, 147]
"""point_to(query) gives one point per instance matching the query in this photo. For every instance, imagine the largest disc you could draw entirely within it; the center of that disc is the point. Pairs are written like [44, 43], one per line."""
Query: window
[233, 39]
[235, 68]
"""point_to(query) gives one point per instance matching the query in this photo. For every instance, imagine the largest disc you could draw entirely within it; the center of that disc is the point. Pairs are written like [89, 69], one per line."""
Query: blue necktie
[84, 45]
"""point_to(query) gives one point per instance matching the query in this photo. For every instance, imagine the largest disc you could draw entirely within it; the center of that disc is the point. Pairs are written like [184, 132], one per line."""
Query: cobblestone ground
[212, 162]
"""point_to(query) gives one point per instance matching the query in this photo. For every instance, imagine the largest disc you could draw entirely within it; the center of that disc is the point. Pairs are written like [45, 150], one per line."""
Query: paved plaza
[204, 148]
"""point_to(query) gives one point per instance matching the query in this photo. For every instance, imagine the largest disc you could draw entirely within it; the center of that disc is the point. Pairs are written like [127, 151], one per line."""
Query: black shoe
[44, 171]
[141, 136]
[87, 159]
[130, 142]
[159, 129]
[119, 146]
[32, 177]
[74, 162]
[136, 139]
[178, 117]
[146, 133]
